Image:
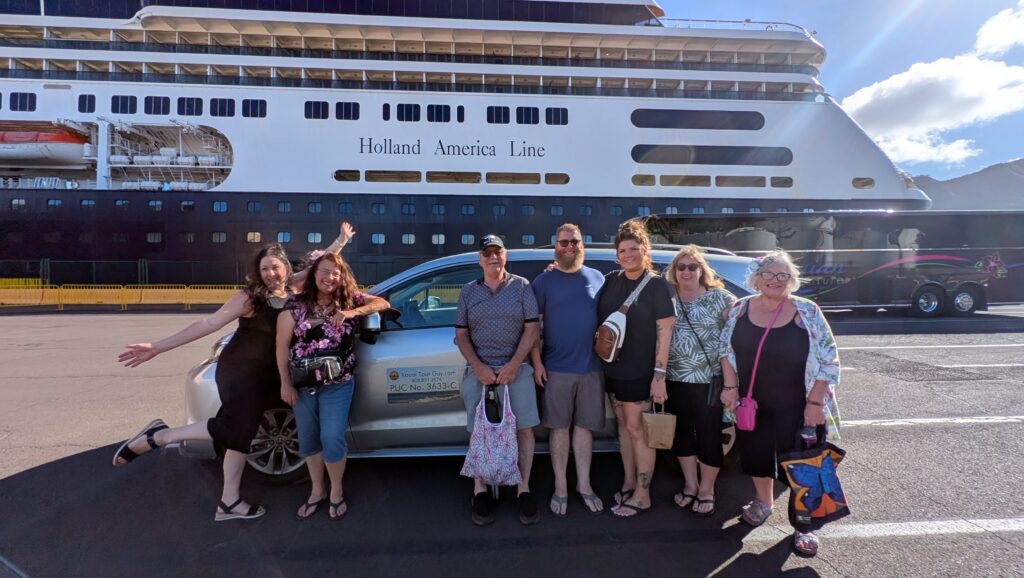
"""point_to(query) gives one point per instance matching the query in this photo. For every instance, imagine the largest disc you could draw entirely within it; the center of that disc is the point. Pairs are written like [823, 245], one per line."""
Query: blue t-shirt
[566, 300]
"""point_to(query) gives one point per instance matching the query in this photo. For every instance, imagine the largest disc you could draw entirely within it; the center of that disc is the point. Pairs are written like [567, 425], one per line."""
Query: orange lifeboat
[38, 149]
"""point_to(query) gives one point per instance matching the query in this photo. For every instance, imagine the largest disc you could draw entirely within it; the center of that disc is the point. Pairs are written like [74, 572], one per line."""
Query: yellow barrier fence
[21, 283]
[92, 295]
[156, 295]
[120, 295]
[210, 294]
[29, 296]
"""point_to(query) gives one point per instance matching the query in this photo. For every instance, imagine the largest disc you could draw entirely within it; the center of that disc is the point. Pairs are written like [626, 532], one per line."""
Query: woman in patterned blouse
[700, 299]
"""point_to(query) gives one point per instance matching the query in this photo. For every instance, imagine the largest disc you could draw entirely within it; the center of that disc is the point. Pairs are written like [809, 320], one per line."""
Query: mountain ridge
[999, 186]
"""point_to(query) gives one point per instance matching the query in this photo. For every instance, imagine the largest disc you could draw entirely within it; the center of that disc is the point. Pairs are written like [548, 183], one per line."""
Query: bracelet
[731, 387]
[817, 403]
[660, 370]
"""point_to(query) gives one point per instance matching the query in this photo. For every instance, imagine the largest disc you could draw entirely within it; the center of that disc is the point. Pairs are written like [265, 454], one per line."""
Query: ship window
[513, 178]
[439, 113]
[499, 210]
[527, 115]
[186, 238]
[712, 155]
[53, 203]
[88, 203]
[219, 237]
[315, 207]
[586, 210]
[556, 179]
[86, 103]
[408, 239]
[437, 209]
[222, 107]
[557, 210]
[51, 237]
[121, 104]
[468, 209]
[314, 238]
[188, 206]
[155, 237]
[754, 210]
[437, 239]
[529, 210]
[377, 238]
[782, 182]
[22, 101]
[385, 112]
[156, 206]
[468, 239]
[529, 240]
[284, 237]
[460, 113]
[17, 204]
[588, 238]
[122, 204]
[671, 210]
[346, 110]
[220, 206]
[346, 176]
[643, 211]
[393, 176]
[408, 113]
[728, 210]
[615, 210]
[863, 183]
[697, 119]
[253, 237]
[556, 115]
[345, 208]
[782, 210]
[156, 105]
[643, 180]
[377, 208]
[685, 181]
[317, 109]
[284, 207]
[119, 237]
[190, 106]
[254, 108]
[253, 206]
[808, 210]
[408, 209]
[698, 210]
[730, 181]
[85, 237]
[452, 177]
[497, 114]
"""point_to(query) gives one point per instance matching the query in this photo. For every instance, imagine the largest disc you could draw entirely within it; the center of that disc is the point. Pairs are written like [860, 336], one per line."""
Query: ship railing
[79, 45]
[411, 86]
[759, 25]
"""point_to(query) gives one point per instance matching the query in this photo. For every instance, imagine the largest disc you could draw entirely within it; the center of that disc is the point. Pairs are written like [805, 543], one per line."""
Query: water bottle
[491, 407]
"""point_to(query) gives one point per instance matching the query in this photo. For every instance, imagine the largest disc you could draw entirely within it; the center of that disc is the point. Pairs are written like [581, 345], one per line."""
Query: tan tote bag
[659, 427]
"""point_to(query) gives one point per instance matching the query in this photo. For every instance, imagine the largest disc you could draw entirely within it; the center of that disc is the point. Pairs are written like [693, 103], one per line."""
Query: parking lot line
[978, 420]
[840, 530]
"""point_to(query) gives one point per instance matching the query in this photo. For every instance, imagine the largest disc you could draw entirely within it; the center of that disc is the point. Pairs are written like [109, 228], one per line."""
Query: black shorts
[629, 390]
[774, 433]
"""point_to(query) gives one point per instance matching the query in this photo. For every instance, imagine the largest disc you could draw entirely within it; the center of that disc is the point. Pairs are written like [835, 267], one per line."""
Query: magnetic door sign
[423, 384]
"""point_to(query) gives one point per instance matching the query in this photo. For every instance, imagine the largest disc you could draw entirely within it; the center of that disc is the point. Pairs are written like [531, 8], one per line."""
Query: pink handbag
[493, 454]
[746, 407]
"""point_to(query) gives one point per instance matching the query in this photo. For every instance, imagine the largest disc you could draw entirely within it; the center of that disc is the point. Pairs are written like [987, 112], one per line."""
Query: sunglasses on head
[687, 267]
[566, 242]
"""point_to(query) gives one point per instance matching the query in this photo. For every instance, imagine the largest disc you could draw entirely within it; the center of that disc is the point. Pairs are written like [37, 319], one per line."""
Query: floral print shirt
[316, 335]
[822, 360]
[686, 359]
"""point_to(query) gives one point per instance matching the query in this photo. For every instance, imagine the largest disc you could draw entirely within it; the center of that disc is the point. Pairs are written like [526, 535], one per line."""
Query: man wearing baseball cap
[496, 324]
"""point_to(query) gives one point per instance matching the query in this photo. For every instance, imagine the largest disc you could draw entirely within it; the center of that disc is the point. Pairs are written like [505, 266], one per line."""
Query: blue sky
[940, 98]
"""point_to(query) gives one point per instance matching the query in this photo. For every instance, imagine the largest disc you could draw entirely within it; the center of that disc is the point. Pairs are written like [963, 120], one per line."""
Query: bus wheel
[964, 301]
[928, 301]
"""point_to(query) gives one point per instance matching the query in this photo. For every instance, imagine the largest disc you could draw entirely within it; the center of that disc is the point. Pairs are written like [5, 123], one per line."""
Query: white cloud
[927, 148]
[1001, 32]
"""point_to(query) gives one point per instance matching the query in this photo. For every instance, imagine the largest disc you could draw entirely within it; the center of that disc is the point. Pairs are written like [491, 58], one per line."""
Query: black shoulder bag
[717, 381]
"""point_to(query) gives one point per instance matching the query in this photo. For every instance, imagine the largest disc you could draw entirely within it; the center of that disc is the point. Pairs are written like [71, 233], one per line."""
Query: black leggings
[698, 427]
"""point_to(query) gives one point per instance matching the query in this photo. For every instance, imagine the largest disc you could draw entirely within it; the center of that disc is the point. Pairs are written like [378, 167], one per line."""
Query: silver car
[409, 370]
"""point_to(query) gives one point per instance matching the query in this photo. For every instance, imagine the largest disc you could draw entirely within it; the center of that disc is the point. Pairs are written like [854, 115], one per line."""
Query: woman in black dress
[247, 379]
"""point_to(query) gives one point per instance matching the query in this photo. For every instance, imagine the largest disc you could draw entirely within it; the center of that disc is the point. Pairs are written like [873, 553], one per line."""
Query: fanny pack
[317, 370]
[612, 332]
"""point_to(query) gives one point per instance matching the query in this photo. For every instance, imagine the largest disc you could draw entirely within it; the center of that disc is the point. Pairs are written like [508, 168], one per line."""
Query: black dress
[247, 379]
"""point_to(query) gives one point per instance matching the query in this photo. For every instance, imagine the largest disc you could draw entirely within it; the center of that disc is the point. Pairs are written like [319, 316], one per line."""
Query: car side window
[430, 300]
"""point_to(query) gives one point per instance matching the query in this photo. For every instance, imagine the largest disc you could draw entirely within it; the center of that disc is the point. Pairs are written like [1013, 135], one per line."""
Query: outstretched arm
[345, 234]
[139, 353]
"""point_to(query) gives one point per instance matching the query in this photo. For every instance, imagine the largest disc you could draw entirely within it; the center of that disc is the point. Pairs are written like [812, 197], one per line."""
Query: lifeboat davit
[42, 149]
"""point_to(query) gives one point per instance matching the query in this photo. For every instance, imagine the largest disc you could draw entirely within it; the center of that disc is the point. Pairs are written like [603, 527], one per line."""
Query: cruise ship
[163, 141]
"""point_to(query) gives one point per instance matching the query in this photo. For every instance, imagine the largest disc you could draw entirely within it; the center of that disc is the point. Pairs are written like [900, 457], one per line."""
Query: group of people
[689, 344]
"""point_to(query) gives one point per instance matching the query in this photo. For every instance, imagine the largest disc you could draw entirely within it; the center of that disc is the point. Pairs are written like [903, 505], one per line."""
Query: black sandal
[305, 509]
[225, 512]
[700, 502]
[149, 430]
[334, 507]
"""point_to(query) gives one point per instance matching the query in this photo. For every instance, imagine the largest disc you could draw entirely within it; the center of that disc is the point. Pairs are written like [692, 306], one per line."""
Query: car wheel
[928, 301]
[274, 454]
[964, 301]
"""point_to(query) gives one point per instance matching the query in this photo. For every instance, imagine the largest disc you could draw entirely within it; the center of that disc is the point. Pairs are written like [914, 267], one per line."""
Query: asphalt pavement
[933, 414]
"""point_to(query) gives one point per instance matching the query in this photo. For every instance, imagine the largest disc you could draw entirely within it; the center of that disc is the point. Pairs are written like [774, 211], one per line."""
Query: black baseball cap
[491, 241]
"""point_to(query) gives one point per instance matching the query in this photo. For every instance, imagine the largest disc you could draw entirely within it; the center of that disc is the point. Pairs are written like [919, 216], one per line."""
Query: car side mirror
[369, 331]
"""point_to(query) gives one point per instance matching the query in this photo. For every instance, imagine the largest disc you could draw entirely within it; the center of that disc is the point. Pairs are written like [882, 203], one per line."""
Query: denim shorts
[321, 417]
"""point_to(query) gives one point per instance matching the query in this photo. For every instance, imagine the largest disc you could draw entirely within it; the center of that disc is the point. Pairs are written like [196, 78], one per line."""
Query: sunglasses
[769, 276]
[492, 252]
[684, 267]
[566, 242]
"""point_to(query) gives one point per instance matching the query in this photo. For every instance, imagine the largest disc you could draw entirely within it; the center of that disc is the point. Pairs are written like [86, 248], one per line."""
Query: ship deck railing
[710, 24]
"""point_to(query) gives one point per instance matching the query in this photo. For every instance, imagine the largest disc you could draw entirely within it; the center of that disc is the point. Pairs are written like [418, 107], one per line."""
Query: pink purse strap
[757, 357]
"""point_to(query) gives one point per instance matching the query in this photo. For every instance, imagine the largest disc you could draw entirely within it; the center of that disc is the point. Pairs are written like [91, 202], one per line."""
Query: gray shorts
[522, 393]
[574, 397]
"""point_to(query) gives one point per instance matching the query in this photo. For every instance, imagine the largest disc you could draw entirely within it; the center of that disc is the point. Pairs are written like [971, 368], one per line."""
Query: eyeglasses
[769, 276]
[492, 252]
[684, 267]
[329, 272]
[563, 243]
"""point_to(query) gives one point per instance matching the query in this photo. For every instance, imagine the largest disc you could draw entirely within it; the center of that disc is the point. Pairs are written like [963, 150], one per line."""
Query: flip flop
[707, 514]
[225, 512]
[559, 506]
[126, 453]
[623, 495]
[685, 505]
[591, 499]
[805, 545]
[334, 507]
[637, 511]
[315, 505]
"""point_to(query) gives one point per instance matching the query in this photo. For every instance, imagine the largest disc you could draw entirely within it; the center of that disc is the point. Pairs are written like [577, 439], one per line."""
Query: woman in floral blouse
[795, 382]
[700, 298]
[320, 325]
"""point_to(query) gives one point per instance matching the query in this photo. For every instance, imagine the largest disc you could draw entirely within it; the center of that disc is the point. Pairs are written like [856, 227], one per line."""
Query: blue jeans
[322, 419]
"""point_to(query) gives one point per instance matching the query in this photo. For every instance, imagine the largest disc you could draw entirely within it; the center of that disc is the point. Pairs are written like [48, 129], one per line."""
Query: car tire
[964, 301]
[928, 301]
[274, 456]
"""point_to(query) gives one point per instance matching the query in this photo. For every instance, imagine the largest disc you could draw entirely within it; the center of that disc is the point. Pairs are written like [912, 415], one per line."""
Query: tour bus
[934, 262]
